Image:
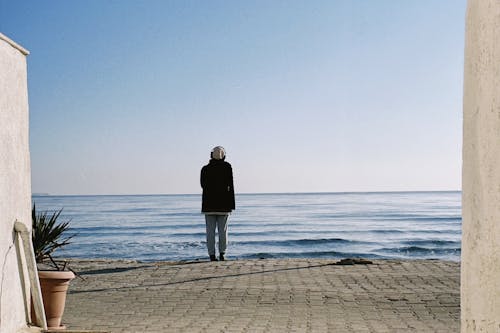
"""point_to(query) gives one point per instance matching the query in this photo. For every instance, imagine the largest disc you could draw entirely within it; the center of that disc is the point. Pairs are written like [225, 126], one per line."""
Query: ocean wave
[419, 250]
[387, 216]
[299, 242]
[105, 249]
[432, 243]
[384, 231]
[440, 231]
[188, 234]
[179, 214]
[132, 228]
[127, 210]
[309, 254]
[400, 231]
[408, 215]
[425, 218]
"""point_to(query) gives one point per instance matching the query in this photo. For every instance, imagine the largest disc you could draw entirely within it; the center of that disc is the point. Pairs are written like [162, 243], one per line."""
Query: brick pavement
[289, 295]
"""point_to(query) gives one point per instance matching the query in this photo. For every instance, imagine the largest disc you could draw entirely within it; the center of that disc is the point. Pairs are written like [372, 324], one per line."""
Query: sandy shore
[285, 295]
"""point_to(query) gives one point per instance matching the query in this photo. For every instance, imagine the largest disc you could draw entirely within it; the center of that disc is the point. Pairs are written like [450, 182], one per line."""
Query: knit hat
[218, 153]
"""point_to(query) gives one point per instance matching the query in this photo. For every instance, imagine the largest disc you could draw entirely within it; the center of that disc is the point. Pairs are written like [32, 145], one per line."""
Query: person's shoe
[212, 257]
[221, 257]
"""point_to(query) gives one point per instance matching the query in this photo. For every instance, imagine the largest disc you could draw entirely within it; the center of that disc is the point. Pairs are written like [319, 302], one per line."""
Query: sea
[373, 225]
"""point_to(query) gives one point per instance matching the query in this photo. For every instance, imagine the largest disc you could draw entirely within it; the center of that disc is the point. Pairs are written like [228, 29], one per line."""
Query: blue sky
[128, 97]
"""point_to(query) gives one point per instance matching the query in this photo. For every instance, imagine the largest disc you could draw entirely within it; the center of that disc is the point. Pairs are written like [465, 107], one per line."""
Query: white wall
[480, 281]
[15, 179]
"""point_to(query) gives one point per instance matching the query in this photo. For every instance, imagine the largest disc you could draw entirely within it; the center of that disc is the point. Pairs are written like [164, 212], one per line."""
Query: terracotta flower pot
[54, 285]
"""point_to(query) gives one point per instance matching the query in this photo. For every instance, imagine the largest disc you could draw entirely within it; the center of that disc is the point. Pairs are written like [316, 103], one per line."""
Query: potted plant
[48, 235]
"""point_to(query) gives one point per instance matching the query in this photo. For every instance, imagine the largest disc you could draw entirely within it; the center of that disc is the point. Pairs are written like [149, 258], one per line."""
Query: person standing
[217, 199]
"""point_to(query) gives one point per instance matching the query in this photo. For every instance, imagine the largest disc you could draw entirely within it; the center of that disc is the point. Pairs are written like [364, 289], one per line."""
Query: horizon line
[43, 194]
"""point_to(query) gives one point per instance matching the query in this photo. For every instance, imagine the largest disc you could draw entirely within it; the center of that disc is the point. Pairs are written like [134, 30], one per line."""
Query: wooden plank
[35, 291]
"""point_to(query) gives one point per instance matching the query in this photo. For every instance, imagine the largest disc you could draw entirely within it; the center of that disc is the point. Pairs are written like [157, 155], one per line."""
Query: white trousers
[219, 221]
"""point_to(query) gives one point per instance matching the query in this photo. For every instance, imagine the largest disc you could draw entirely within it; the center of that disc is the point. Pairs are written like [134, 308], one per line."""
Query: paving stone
[288, 295]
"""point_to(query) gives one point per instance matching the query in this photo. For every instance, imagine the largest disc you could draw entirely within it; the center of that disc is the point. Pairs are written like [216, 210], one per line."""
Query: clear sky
[129, 97]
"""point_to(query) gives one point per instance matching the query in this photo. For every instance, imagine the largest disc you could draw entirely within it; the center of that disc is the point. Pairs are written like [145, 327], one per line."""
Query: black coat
[218, 189]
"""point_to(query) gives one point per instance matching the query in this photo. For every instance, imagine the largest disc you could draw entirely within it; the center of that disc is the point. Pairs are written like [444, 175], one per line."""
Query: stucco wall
[480, 282]
[15, 179]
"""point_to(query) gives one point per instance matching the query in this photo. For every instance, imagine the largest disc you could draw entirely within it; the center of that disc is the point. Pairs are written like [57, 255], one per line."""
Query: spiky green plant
[47, 234]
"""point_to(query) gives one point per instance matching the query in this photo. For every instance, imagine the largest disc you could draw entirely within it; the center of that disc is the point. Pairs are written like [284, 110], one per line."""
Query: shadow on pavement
[205, 278]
